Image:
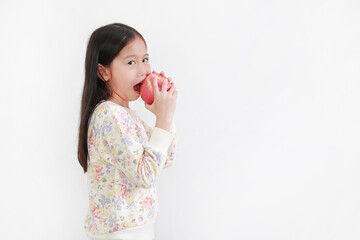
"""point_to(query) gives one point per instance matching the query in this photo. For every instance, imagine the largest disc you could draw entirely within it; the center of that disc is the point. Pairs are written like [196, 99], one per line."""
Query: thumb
[147, 106]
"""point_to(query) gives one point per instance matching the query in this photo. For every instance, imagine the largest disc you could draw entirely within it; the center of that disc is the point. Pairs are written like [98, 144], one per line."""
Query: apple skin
[147, 91]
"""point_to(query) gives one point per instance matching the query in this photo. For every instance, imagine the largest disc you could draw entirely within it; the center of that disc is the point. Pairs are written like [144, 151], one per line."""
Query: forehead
[134, 47]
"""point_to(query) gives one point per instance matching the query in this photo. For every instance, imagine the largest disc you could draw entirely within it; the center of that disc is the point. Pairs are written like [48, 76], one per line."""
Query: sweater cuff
[160, 139]
[172, 128]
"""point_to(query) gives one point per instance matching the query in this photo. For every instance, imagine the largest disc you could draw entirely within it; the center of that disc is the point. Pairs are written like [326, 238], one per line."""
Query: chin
[137, 95]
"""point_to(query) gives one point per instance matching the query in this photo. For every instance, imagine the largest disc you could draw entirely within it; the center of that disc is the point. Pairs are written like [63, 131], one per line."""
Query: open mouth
[137, 87]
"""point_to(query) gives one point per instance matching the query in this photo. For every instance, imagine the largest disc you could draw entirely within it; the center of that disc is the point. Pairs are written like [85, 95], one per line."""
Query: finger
[172, 90]
[147, 106]
[164, 85]
[155, 85]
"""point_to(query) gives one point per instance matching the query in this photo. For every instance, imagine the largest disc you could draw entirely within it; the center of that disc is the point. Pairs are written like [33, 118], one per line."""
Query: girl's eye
[131, 62]
[144, 60]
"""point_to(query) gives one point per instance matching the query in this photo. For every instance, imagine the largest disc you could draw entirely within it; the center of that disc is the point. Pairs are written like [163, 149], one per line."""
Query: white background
[268, 116]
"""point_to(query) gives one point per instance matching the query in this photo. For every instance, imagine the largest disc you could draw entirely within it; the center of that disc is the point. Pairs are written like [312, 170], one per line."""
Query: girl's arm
[141, 164]
[173, 146]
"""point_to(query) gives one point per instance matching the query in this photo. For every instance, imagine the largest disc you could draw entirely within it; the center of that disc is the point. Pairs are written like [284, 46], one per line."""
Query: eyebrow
[134, 56]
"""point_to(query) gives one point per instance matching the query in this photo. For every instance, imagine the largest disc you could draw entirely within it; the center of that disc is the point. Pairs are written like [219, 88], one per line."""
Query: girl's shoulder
[105, 109]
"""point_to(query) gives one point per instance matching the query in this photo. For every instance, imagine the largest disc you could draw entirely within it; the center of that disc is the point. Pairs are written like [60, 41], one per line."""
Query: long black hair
[104, 45]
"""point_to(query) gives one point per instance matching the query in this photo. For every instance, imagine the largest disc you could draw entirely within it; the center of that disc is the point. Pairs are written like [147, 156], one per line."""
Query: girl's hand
[164, 101]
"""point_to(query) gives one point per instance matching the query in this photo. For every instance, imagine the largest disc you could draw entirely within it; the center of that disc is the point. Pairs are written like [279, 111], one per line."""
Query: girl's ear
[102, 73]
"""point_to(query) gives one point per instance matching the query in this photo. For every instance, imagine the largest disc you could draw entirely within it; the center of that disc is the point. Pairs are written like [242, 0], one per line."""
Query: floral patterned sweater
[126, 156]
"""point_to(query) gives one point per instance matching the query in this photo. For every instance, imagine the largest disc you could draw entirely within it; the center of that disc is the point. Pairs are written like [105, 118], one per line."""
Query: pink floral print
[122, 170]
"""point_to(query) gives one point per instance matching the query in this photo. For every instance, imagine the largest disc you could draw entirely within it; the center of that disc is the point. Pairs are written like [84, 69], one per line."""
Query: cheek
[122, 74]
[148, 68]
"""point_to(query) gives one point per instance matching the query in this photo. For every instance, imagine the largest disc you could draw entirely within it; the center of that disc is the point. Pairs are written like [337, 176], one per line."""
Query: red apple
[147, 91]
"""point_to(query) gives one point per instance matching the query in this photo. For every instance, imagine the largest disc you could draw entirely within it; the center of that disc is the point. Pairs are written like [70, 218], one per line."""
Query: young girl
[122, 156]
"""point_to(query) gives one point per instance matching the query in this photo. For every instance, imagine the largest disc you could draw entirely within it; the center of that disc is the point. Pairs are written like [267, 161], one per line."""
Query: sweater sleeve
[171, 151]
[120, 146]
[172, 148]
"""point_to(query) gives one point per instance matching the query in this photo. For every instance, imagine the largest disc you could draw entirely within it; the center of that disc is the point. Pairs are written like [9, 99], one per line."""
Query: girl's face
[128, 68]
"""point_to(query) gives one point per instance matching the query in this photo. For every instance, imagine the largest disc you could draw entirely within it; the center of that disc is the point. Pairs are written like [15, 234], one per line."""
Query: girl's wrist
[165, 117]
[164, 123]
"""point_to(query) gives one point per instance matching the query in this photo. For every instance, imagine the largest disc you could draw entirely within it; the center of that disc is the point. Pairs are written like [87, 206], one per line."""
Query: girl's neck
[119, 102]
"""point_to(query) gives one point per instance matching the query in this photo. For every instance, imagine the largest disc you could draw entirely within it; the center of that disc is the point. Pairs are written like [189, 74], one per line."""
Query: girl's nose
[143, 71]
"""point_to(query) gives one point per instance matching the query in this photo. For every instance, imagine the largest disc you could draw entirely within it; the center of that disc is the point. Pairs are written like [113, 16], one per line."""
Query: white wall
[268, 116]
